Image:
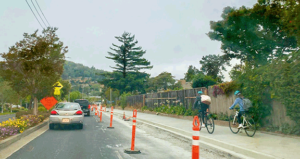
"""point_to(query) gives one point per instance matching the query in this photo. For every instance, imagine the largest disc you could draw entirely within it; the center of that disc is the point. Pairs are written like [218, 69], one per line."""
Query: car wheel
[80, 126]
[51, 126]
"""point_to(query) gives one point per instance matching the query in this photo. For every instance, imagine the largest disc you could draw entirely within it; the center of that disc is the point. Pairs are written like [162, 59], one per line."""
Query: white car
[66, 113]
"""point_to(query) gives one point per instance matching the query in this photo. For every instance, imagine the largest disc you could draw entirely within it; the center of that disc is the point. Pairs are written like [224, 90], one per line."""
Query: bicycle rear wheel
[233, 124]
[210, 125]
[250, 127]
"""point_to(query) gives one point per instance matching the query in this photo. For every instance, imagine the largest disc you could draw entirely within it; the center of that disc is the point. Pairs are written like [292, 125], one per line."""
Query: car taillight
[53, 112]
[89, 106]
[79, 112]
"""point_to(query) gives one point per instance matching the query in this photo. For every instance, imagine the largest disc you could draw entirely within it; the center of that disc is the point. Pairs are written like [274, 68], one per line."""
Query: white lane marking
[118, 154]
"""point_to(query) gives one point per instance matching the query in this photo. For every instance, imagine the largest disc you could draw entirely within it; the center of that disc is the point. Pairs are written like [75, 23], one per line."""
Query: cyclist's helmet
[237, 93]
[199, 92]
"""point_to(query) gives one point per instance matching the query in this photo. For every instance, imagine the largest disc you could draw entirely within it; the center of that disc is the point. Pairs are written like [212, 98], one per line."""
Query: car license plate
[65, 120]
[85, 113]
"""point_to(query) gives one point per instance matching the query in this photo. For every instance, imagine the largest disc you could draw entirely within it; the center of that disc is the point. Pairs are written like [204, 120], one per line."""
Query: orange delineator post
[133, 129]
[196, 138]
[100, 113]
[111, 117]
[132, 150]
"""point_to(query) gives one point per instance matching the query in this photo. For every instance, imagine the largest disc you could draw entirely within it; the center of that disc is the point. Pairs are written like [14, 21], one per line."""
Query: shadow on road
[66, 127]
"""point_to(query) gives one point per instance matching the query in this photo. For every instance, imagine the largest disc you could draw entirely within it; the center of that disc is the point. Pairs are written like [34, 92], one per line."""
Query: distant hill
[79, 72]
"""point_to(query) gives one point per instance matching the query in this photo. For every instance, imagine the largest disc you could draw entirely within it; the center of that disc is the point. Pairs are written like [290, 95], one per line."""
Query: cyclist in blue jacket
[239, 101]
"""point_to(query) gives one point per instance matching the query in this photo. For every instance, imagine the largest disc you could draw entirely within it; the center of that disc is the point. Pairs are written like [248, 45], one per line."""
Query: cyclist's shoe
[240, 126]
[203, 126]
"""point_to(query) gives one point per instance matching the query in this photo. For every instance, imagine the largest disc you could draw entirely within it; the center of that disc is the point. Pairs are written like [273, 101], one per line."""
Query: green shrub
[188, 112]
[123, 99]
[42, 109]
[179, 110]
[14, 110]
[144, 108]
[223, 117]
[30, 112]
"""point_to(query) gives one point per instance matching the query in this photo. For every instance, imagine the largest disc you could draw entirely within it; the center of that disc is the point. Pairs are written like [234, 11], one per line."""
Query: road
[6, 117]
[95, 140]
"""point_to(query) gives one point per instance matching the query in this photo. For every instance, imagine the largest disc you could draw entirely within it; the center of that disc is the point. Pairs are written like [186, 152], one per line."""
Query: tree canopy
[254, 35]
[213, 65]
[191, 72]
[34, 64]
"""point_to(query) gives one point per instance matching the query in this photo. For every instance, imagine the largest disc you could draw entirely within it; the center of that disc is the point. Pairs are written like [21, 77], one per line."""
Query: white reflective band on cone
[134, 124]
[195, 142]
[196, 133]
[134, 118]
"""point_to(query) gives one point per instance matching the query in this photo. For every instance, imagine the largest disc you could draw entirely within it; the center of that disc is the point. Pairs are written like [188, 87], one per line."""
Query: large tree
[64, 92]
[165, 80]
[34, 64]
[191, 73]
[128, 57]
[254, 35]
[288, 11]
[213, 65]
[201, 80]
[134, 81]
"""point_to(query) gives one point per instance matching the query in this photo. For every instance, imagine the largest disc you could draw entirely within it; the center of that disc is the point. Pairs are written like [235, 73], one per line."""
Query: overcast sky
[173, 32]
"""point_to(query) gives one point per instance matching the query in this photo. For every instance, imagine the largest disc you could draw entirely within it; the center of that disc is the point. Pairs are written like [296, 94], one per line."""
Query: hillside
[76, 71]
[82, 76]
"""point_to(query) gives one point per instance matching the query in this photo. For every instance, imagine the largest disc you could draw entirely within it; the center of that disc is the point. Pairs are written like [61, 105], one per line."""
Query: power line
[38, 13]
[42, 12]
[34, 14]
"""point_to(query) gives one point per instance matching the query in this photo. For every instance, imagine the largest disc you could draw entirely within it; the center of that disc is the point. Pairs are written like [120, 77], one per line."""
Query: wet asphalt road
[95, 140]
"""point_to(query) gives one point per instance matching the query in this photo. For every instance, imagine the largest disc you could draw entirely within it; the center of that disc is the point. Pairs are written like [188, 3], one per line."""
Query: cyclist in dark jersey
[202, 106]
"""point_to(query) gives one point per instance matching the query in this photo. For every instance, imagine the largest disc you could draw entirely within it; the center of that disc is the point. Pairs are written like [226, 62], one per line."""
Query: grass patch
[6, 113]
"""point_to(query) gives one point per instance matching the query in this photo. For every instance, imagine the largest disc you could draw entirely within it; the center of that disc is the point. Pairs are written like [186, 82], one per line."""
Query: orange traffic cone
[124, 115]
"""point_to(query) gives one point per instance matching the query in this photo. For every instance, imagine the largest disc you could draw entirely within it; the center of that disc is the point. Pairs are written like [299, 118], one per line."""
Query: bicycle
[248, 124]
[209, 122]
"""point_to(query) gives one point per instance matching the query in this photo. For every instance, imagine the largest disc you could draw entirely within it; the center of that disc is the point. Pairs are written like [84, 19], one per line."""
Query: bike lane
[261, 145]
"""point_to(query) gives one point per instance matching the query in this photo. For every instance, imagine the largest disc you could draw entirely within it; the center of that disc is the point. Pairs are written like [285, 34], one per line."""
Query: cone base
[129, 151]
[110, 127]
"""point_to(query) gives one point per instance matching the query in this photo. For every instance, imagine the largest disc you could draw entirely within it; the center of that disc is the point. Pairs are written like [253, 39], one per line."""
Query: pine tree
[128, 57]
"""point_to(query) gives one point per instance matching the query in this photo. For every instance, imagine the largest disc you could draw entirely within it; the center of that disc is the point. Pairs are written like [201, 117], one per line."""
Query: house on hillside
[185, 85]
[101, 88]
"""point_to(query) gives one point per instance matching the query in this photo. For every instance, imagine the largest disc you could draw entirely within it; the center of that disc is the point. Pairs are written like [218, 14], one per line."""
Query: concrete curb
[226, 149]
[5, 143]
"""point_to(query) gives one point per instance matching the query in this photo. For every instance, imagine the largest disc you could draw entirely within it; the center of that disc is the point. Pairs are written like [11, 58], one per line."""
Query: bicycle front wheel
[210, 125]
[233, 124]
[250, 127]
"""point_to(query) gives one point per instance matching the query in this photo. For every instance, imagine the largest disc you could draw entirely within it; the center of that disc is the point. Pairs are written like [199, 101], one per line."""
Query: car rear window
[69, 106]
[82, 102]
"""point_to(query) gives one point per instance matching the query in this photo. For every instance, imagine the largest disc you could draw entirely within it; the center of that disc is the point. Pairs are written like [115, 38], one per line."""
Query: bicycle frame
[244, 118]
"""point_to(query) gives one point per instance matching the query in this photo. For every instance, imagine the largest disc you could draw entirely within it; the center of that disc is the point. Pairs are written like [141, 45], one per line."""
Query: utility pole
[70, 88]
[110, 99]
[82, 92]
